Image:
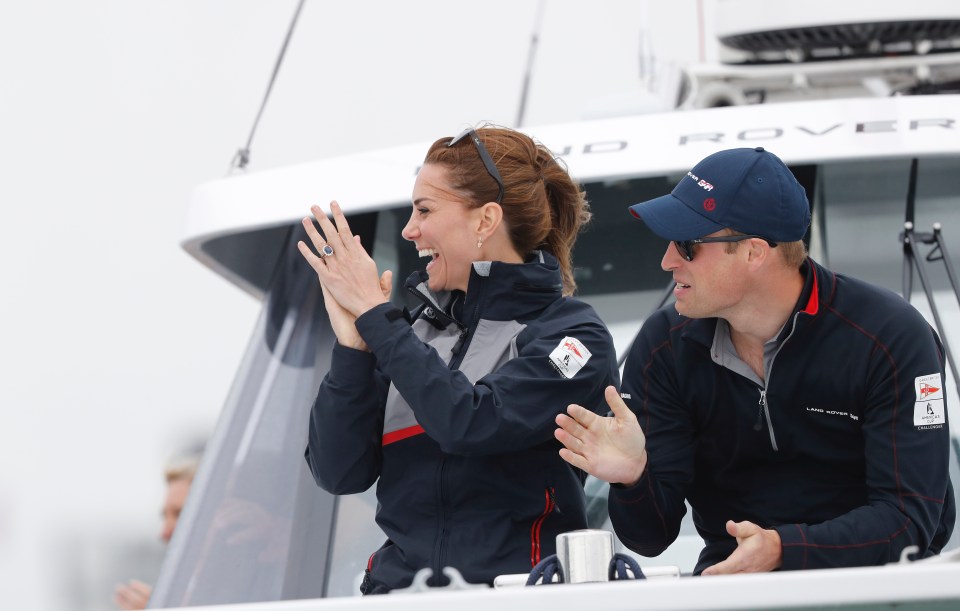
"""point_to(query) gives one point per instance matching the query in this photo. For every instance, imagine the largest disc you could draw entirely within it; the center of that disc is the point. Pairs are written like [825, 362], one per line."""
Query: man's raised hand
[609, 448]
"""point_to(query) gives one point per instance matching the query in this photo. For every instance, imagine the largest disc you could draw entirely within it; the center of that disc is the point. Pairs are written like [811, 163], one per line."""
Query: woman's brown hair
[542, 206]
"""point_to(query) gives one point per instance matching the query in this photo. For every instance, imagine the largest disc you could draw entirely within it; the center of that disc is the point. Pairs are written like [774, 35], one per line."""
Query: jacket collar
[498, 290]
[817, 293]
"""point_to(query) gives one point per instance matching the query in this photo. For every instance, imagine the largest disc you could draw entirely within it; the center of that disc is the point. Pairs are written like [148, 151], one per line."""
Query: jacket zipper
[759, 423]
[434, 312]
[441, 527]
[764, 411]
[460, 340]
[764, 406]
[458, 349]
[466, 332]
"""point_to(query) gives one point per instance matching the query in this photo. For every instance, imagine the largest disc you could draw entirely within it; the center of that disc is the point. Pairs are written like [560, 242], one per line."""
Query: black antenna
[242, 156]
[912, 190]
[534, 41]
[908, 230]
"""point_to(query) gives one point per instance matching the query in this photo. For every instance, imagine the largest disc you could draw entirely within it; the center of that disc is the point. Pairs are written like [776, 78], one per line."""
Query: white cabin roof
[597, 150]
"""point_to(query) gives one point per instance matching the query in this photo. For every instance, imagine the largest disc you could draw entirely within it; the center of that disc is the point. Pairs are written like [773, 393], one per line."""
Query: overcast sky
[117, 347]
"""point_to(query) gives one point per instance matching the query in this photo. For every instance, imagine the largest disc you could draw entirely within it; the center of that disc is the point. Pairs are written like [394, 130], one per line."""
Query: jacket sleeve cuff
[793, 542]
[349, 365]
[379, 323]
[621, 493]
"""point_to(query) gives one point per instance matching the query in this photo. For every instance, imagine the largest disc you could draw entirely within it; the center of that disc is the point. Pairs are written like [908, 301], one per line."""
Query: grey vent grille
[855, 35]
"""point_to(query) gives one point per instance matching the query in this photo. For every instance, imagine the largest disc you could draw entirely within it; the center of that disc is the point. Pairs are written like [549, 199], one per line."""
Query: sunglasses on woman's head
[484, 156]
[685, 247]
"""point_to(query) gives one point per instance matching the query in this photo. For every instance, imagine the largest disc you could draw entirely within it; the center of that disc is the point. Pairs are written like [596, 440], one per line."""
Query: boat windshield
[260, 529]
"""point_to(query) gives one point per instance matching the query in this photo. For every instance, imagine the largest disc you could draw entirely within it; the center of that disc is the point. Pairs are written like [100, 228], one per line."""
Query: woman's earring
[479, 241]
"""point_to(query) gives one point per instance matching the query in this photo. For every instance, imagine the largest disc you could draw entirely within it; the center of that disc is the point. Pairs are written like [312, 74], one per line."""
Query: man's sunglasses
[484, 156]
[685, 247]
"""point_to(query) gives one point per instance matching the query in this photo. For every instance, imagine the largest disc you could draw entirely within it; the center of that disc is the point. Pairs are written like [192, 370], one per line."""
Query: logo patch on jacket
[928, 409]
[569, 357]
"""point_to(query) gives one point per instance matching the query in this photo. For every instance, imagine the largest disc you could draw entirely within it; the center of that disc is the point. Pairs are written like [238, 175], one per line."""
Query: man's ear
[490, 217]
[759, 250]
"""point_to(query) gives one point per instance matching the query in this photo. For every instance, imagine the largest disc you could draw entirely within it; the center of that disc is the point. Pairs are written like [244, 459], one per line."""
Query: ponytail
[569, 211]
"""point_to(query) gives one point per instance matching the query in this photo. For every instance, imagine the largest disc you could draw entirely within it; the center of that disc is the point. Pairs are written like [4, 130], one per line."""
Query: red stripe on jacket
[535, 529]
[402, 434]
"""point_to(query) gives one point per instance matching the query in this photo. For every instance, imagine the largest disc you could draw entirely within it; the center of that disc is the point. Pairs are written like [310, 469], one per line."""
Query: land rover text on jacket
[844, 451]
[454, 414]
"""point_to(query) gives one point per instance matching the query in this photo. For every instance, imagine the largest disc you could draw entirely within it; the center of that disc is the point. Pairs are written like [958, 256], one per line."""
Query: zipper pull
[457, 346]
[759, 424]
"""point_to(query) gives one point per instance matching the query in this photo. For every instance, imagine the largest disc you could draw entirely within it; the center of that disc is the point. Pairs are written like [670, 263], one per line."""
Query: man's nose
[671, 258]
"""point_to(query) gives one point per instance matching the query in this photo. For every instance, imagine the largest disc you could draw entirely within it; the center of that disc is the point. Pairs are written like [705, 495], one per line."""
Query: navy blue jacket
[456, 419]
[847, 457]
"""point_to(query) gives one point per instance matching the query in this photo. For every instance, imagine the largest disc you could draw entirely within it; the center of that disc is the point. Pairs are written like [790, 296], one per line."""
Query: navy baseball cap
[748, 190]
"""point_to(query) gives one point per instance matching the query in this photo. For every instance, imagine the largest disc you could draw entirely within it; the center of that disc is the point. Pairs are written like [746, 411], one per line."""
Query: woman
[452, 408]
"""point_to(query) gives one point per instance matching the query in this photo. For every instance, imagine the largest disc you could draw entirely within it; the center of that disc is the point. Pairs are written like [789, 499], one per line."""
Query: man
[179, 475]
[800, 412]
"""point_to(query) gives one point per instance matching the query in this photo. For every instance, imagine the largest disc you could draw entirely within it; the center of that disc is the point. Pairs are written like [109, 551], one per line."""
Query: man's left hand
[758, 550]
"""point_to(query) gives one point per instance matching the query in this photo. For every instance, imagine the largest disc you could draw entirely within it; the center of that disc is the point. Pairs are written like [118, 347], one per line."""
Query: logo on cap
[709, 204]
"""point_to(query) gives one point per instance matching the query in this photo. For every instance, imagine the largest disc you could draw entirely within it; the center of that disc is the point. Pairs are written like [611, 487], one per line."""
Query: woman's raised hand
[348, 275]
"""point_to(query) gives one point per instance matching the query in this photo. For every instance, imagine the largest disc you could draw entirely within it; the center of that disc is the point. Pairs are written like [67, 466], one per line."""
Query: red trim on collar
[813, 304]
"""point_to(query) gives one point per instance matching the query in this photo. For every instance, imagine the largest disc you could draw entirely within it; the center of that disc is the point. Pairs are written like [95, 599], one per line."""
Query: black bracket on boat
[911, 239]
[664, 297]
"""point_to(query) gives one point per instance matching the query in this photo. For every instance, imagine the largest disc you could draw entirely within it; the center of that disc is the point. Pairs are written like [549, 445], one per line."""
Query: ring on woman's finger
[326, 251]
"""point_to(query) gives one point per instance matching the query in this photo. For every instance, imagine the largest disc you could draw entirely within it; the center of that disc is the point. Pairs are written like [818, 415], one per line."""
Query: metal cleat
[457, 582]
